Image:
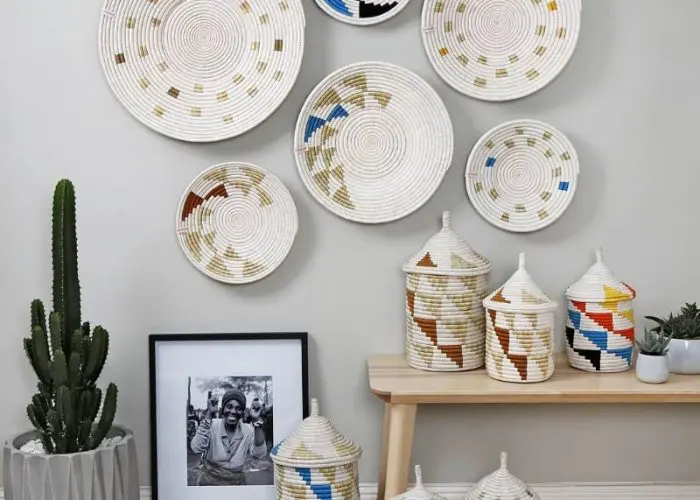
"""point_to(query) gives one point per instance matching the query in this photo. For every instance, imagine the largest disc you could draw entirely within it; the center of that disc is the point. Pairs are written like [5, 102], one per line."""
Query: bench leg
[397, 441]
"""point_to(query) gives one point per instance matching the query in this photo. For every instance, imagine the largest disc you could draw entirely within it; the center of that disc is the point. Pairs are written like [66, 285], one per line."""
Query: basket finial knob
[446, 219]
[504, 460]
[521, 260]
[599, 255]
[314, 407]
[419, 475]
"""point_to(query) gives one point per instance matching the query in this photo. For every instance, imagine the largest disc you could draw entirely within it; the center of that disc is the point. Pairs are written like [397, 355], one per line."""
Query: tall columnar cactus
[65, 355]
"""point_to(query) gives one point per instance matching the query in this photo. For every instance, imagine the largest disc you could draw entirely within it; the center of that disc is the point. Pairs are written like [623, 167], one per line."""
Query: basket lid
[520, 294]
[419, 491]
[315, 443]
[501, 485]
[447, 253]
[599, 284]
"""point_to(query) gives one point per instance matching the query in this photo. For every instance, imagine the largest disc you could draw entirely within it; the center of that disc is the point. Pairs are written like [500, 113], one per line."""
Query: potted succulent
[74, 451]
[684, 328]
[652, 361]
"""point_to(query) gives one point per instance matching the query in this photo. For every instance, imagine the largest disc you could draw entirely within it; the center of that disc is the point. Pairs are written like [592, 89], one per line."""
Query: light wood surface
[391, 379]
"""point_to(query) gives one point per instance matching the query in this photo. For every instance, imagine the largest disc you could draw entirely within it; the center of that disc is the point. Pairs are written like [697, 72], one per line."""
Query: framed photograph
[219, 403]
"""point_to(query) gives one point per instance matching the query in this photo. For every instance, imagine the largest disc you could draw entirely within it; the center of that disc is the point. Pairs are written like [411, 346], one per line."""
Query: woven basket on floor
[600, 321]
[522, 175]
[373, 142]
[498, 51]
[446, 282]
[419, 491]
[236, 222]
[362, 12]
[501, 485]
[519, 330]
[316, 462]
[201, 70]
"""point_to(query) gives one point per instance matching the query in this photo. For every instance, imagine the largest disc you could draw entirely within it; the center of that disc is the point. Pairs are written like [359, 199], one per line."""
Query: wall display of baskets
[201, 70]
[519, 330]
[499, 51]
[600, 321]
[419, 491]
[446, 282]
[373, 142]
[522, 175]
[236, 222]
[501, 485]
[316, 462]
[362, 12]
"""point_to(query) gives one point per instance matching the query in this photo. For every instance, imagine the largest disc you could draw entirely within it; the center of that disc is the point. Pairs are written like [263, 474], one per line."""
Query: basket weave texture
[419, 491]
[600, 326]
[316, 462]
[446, 282]
[519, 330]
[362, 12]
[501, 485]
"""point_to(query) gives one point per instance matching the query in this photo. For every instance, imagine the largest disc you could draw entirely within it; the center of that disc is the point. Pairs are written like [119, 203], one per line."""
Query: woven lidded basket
[446, 282]
[519, 330]
[600, 321]
[419, 491]
[501, 485]
[316, 462]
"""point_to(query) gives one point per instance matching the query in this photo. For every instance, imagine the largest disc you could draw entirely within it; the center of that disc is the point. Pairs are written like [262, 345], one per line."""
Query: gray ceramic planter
[109, 473]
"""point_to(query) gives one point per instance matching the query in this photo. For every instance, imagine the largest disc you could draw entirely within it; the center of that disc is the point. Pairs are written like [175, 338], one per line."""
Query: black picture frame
[156, 338]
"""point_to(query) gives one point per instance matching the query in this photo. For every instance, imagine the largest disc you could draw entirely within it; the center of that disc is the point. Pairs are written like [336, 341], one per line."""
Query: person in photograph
[226, 442]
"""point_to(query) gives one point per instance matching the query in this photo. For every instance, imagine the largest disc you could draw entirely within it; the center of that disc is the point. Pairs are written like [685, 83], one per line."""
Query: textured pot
[652, 369]
[109, 473]
[684, 356]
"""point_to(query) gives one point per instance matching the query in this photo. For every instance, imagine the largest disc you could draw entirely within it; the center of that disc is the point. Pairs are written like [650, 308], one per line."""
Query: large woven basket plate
[522, 175]
[236, 222]
[362, 12]
[201, 70]
[499, 50]
[373, 142]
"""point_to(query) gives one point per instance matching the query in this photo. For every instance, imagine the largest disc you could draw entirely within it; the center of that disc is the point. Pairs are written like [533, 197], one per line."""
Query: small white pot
[684, 356]
[652, 369]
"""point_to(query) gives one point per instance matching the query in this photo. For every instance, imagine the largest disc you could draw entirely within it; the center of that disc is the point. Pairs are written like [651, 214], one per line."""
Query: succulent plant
[67, 357]
[684, 325]
[654, 343]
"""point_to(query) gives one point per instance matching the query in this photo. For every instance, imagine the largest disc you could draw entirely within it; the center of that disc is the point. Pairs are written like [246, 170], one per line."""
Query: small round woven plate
[373, 142]
[362, 12]
[201, 70]
[521, 175]
[236, 222]
[500, 50]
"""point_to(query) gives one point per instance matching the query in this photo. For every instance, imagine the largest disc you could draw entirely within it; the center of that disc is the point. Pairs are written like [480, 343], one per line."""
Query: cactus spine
[66, 356]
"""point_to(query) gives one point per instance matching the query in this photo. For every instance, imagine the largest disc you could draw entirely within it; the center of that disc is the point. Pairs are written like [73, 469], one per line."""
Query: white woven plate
[362, 12]
[236, 222]
[498, 50]
[522, 175]
[373, 142]
[201, 70]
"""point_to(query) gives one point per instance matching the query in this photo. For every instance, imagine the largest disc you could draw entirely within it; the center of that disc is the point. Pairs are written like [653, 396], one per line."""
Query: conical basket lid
[447, 253]
[599, 284]
[501, 485]
[315, 443]
[520, 294]
[419, 491]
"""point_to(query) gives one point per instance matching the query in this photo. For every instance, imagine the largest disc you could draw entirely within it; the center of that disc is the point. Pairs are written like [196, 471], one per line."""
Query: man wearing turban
[226, 442]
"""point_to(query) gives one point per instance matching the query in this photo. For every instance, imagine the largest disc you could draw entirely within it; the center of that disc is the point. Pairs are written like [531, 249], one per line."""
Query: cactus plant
[66, 355]
[654, 343]
[684, 325]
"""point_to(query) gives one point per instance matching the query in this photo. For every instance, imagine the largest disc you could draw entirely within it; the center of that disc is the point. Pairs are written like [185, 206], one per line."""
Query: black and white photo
[219, 403]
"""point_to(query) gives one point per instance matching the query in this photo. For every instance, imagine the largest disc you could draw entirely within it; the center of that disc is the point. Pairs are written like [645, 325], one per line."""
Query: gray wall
[628, 100]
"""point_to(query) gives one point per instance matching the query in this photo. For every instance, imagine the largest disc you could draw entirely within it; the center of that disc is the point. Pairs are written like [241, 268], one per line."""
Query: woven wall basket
[498, 51]
[236, 222]
[522, 175]
[600, 327]
[373, 142]
[201, 70]
[362, 12]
